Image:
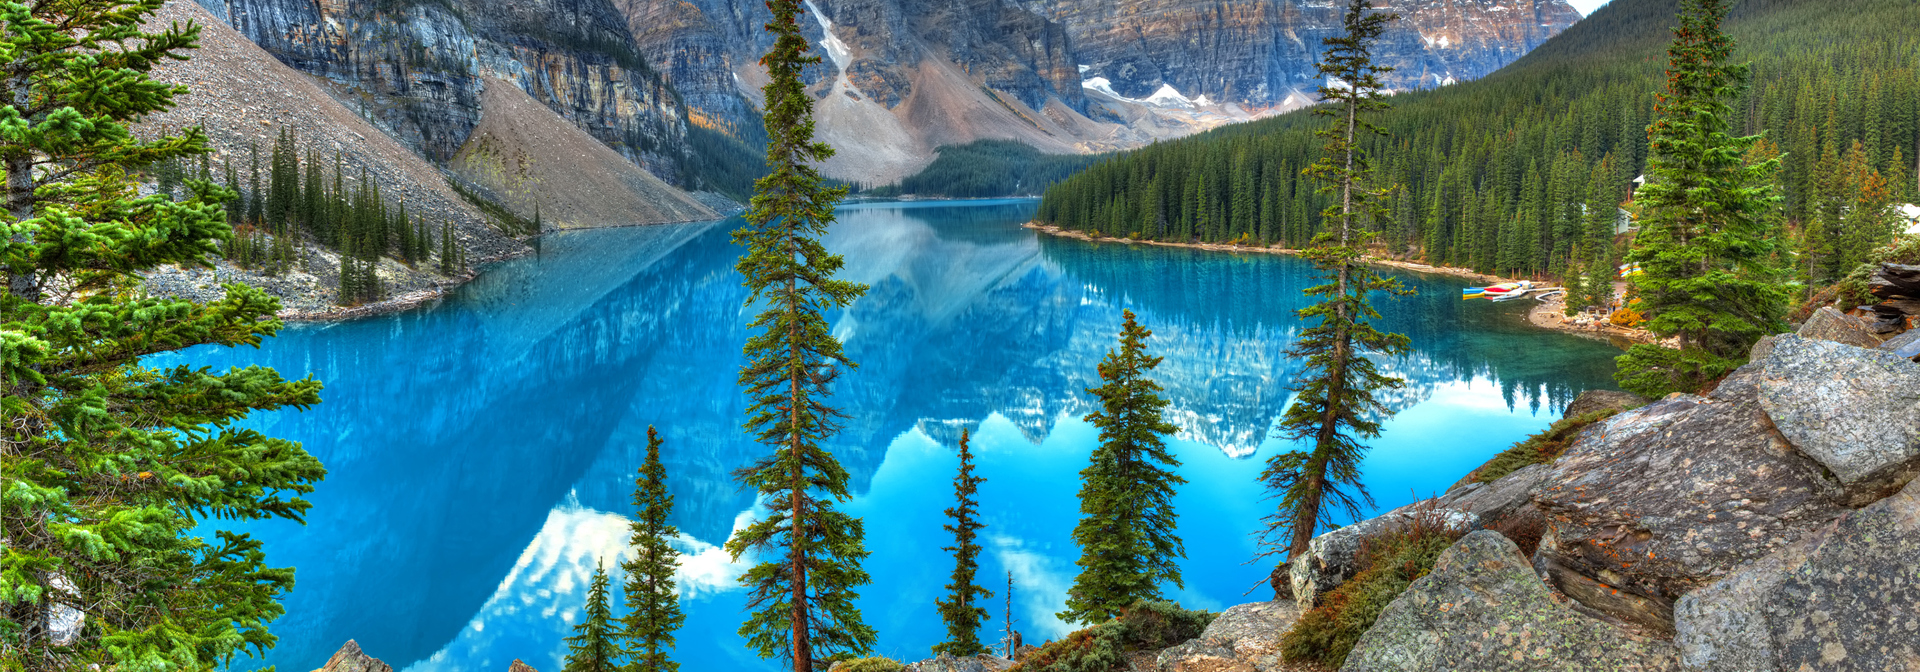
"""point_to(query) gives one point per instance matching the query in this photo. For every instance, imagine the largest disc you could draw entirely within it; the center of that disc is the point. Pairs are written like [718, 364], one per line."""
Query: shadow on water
[474, 446]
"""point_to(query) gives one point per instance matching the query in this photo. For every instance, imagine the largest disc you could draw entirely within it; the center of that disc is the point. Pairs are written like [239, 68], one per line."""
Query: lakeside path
[1549, 314]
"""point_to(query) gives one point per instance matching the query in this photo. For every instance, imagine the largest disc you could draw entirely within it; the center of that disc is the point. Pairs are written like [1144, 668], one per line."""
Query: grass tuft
[874, 664]
[1390, 562]
[1540, 448]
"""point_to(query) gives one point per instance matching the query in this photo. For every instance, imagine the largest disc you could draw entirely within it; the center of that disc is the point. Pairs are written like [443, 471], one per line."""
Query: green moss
[1540, 448]
[1391, 562]
[874, 664]
[1146, 626]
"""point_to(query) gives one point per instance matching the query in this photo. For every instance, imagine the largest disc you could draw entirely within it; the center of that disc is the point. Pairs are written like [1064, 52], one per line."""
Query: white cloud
[547, 586]
[1039, 587]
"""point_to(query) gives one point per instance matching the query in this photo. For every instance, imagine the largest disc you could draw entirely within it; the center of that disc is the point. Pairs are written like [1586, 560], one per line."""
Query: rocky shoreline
[307, 292]
[1545, 315]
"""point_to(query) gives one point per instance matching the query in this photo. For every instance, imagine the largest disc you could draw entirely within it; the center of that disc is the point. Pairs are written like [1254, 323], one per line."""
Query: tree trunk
[796, 522]
[22, 282]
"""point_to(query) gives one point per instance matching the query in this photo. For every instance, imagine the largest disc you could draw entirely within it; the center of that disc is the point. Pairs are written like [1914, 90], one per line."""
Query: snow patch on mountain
[836, 49]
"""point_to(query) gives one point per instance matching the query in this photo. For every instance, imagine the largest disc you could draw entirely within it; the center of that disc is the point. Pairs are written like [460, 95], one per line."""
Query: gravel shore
[308, 291]
[1549, 314]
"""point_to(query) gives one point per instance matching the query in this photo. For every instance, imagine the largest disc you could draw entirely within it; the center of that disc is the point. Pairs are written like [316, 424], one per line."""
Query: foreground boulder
[1856, 411]
[946, 663]
[351, 659]
[1245, 638]
[1664, 499]
[1483, 609]
[1846, 599]
[1334, 557]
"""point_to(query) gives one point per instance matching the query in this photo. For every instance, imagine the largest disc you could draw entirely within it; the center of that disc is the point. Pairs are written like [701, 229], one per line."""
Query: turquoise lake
[482, 450]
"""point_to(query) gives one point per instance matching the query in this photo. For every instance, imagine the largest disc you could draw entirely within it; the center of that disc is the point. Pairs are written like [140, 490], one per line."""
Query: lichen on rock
[1483, 609]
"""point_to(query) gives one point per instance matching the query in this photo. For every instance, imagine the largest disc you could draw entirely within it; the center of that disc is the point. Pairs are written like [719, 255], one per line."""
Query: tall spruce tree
[1705, 245]
[110, 467]
[1335, 404]
[1127, 524]
[653, 605]
[594, 646]
[801, 593]
[958, 609]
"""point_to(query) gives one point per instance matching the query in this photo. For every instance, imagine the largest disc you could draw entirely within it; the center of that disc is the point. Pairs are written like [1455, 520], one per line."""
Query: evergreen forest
[1530, 172]
[281, 207]
[987, 169]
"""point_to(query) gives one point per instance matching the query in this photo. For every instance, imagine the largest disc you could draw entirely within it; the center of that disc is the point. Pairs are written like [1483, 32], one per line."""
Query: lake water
[482, 451]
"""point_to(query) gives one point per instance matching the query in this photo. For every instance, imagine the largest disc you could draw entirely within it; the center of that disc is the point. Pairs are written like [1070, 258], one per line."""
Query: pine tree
[449, 250]
[962, 616]
[801, 595]
[653, 606]
[256, 196]
[109, 467]
[1127, 524]
[236, 205]
[1704, 246]
[1335, 400]
[594, 646]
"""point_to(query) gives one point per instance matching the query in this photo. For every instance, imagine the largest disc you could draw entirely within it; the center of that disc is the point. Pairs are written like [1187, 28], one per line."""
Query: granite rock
[946, 663]
[1854, 605]
[1594, 401]
[1722, 627]
[1827, 324]
[518, 666]
[1905, 345]
[1483, 609]
[1844, 599]
[1244, 638]
[1652, 615]
[351, 659]
[1200, 655]
[1490, 502]
[1663, 499]
[1854, 410]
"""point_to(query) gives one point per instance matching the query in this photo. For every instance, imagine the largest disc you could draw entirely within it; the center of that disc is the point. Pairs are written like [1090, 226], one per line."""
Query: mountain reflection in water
[481, 452]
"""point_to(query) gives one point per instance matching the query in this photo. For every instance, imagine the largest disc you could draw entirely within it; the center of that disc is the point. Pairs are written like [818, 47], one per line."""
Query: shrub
[1146, 626]
[1626, 317]
[1538, 449]
[1524, 527]
[1852, 290]
[1390, 562]
[874, 664]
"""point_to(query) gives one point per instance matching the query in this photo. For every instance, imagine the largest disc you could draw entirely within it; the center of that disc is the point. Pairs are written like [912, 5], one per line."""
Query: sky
[1586, 6]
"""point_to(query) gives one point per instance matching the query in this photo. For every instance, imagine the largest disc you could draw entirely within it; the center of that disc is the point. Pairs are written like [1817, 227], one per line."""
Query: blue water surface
[481, 451]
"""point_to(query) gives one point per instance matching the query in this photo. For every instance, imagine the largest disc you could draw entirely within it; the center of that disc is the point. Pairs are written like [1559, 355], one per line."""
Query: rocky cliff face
[1259, 52]
[1078, 72]
[899, 79]
[418, 68]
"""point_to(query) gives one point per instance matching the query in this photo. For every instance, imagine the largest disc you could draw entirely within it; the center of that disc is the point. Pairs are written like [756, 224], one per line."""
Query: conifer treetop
[1127, 531]
[653, 605]
[959, 609]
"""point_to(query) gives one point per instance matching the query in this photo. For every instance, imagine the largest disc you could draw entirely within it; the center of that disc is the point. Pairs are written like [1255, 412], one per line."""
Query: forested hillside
[1520, 173]
[988, 169]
